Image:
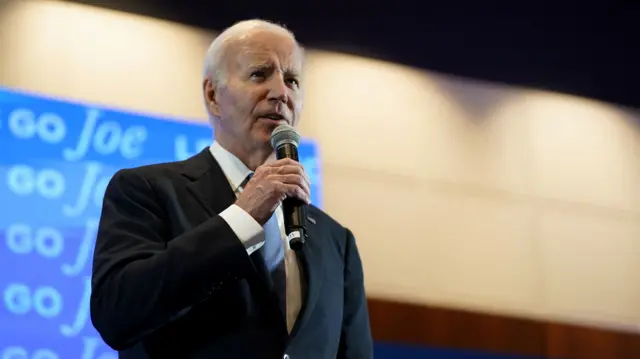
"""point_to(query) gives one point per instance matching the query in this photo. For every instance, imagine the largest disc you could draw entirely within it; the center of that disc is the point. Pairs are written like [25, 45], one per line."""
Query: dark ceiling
[585, 48]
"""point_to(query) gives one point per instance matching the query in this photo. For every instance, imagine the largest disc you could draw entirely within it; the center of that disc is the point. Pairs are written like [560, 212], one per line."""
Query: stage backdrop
[56, 158]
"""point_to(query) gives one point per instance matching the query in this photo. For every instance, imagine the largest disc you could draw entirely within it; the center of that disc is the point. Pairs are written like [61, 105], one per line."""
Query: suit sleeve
[143, 278]
[355, 340]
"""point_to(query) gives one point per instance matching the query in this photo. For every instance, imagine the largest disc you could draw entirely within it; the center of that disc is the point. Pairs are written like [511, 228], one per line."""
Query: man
[191, 259]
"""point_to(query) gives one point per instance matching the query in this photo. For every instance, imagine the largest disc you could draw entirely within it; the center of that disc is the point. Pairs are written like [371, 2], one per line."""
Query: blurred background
[502, 146]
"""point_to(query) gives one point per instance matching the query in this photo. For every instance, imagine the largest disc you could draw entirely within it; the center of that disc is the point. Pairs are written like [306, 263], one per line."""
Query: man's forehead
[290, 62]
[252, 51]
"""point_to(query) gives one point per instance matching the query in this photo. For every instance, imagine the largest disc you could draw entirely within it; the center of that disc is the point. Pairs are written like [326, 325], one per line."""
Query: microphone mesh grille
[284, 134]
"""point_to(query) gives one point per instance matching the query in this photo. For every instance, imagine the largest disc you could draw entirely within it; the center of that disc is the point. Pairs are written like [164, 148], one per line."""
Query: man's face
[261, 89]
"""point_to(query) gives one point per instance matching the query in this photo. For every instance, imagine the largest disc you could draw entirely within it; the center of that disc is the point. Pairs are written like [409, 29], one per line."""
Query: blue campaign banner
[56, 158]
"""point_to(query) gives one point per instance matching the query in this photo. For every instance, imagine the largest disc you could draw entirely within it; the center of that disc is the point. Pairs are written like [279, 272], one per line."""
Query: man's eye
[258, 74]
[294, 82]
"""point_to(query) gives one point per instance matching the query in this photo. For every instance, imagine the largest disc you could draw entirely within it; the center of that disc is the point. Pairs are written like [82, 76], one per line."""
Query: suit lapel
[313, 265]
[209, 185]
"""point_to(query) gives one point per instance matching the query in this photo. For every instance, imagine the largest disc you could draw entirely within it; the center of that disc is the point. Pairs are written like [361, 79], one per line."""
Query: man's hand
[270, 185]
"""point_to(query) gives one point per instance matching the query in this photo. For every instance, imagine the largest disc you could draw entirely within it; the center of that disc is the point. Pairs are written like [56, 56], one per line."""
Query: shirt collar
[231, 166]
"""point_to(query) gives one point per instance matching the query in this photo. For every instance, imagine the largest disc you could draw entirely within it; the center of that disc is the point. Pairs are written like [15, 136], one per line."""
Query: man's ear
[209, 91]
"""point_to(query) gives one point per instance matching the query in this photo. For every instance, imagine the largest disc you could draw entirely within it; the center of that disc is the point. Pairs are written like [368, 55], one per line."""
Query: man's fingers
[286, 166]
[282, 162]
[292, 190]
[294, 179]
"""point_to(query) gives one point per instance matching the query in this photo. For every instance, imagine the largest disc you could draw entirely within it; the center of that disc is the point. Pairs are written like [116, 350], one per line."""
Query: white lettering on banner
[106, 138]
[181, 147]
[84, 249]
[49, 127]
[16, 352]
[46, 241]
[58, 160]
[92, 348]
[91, 187]
[24, 180]
[19, 299]
[82, 313]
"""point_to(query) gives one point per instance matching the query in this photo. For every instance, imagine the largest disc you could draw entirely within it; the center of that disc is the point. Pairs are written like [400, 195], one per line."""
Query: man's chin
[269, 125]
[262, 140]
[263, 133]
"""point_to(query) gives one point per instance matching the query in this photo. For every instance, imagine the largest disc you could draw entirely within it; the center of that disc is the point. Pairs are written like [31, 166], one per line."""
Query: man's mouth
[274, 117]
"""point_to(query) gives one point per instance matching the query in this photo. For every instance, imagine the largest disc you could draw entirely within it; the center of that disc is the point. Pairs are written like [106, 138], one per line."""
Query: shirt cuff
[248, 230]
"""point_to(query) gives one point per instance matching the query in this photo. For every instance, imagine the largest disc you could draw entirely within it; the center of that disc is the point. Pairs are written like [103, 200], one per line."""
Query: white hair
[214, 69]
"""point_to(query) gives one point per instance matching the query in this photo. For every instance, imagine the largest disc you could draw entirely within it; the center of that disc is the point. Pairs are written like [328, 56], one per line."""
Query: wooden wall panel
[402, 323]
[571, 341]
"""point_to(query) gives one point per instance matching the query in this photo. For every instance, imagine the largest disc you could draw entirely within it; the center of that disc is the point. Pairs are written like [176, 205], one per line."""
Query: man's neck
[252, 158]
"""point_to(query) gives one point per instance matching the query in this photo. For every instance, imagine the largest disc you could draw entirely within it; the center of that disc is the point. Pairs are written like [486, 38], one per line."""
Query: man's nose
[278, 89]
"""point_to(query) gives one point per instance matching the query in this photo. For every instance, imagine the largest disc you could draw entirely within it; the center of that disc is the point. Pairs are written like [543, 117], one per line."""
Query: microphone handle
[294, 210]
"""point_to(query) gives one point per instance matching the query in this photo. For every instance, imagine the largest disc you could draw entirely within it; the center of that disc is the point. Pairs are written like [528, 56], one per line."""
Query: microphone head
[284, 134]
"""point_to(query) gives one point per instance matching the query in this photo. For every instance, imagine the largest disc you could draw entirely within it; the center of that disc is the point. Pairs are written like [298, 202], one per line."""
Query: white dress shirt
[251, 233]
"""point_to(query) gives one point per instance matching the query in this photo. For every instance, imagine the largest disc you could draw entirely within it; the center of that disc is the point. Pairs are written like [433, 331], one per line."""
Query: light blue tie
[273, 253]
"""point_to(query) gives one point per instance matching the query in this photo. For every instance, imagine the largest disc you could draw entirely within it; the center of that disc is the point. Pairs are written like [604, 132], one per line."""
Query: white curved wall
[460, 193]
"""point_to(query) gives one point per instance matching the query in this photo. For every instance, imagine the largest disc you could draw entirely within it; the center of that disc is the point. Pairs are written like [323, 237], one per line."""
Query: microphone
[285, 141]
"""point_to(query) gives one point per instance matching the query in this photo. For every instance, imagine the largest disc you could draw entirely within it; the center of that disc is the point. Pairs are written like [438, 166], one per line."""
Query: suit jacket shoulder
[331, 229]
[163, 170]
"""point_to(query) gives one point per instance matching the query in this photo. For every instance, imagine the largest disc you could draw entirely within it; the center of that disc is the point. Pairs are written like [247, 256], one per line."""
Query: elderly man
[191, 259]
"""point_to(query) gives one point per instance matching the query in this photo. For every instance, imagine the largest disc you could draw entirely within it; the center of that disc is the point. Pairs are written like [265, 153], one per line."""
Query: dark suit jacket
[172, 280]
